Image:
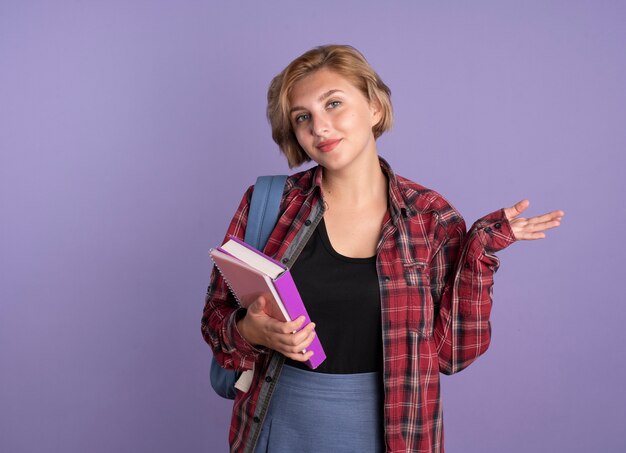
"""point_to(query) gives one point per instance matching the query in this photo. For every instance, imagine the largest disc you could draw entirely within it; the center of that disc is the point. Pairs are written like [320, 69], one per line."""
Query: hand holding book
[258, 328]
[276, 317]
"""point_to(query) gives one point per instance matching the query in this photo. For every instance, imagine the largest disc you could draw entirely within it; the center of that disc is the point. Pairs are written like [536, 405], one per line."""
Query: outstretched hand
[533, 227]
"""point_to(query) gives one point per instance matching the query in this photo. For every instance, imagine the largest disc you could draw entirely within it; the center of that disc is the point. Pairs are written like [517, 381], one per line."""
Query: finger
[537, 227]
[285, 328]
[295, 325]
[290, 339]
[299, 356]
[525, 236]
[554, 215]
[527, 225]
[531, 233]
[307, 342]
[300, 346]
[516, 209]
[303, 334]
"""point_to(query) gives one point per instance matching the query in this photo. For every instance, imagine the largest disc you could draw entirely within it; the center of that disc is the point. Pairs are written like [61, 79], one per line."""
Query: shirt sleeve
[221, 310]
[462, 272]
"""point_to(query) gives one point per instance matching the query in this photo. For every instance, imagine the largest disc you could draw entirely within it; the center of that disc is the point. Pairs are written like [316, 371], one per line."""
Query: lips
[328, 145]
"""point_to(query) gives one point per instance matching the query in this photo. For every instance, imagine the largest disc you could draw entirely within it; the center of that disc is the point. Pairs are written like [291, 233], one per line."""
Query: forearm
[462, 330]
[221, 311]
[220, 330]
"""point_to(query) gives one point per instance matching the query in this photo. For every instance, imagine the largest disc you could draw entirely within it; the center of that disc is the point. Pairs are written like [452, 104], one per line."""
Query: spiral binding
[230, 288]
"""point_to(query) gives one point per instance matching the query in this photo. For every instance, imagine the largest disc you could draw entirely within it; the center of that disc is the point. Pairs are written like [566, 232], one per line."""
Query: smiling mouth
[328, 145]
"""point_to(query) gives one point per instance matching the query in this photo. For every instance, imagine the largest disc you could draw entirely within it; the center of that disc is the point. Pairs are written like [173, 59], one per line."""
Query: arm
[221, 311]
[462, 273]
[238, 336]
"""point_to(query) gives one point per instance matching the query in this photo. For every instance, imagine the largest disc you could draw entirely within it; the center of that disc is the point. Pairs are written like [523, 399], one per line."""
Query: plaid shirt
[435, 284]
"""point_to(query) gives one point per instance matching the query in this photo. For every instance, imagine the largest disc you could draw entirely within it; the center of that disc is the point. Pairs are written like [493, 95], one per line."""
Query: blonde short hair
[345, 61]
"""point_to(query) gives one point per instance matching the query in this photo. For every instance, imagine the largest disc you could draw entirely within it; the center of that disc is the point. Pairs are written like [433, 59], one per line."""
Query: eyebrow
[326, 95]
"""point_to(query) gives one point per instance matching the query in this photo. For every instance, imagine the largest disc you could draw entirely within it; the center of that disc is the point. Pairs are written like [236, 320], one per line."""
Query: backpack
[262, 218]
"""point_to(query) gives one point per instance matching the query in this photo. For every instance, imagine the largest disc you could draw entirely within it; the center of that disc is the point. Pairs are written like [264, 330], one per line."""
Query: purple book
[250, 274]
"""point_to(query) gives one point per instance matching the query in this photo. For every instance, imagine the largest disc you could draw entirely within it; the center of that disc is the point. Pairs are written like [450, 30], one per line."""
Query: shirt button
[467, 265]
[256, 419]
[307, 222]
[285, 260]
[386, 278]
[268, 378]
[498, 225]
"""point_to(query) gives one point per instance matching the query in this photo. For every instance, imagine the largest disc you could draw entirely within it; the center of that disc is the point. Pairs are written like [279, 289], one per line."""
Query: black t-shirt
[342, 297]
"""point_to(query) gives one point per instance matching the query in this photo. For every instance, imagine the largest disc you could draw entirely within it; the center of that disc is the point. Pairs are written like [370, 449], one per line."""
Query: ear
[376, 111]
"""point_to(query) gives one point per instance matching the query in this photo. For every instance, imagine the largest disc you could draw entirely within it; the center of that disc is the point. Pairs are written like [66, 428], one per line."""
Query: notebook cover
[247, 284]
[292, 301]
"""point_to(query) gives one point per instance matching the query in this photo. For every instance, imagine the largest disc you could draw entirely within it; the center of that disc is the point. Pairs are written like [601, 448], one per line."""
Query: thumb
[258, 306]
[516, 209]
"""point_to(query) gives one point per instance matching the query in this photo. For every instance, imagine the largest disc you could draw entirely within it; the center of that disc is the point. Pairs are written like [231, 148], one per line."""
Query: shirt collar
[397, 202]
[311, 180]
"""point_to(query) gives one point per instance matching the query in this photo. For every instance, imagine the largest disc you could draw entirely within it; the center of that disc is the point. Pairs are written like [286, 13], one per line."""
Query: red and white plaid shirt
[435, 284]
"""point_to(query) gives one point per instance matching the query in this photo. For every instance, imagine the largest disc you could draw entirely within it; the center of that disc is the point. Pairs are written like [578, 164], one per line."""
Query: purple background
[130, 129]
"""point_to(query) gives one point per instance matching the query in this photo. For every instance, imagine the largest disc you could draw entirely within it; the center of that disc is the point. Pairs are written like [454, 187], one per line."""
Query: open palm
[533, 227]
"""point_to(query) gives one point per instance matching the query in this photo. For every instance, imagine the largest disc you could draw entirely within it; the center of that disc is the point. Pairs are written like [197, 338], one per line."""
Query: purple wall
[129, 131]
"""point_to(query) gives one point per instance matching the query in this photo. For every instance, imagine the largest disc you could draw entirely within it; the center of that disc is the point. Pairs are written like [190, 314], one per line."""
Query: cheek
[357, 123]
[345, 121]
[303, 139]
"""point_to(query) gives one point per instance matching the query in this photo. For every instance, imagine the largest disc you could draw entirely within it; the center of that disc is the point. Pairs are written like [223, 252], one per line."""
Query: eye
[301, 118]
[334, 104]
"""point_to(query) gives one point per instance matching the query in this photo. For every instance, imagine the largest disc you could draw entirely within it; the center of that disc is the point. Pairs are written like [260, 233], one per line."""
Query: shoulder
[298, 182]
[302, 180]
[421, 201]
[300, 185]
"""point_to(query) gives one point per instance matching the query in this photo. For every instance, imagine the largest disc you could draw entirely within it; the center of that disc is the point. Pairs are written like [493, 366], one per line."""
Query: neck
[358, 185]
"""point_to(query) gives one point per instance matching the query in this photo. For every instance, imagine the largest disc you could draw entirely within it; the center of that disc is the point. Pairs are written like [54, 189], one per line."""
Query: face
[333, 120]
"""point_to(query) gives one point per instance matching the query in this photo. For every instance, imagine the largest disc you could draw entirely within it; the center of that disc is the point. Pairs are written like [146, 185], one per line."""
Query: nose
[320, 124]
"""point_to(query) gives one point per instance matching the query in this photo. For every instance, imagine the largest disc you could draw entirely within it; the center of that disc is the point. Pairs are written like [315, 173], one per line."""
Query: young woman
[397, 289]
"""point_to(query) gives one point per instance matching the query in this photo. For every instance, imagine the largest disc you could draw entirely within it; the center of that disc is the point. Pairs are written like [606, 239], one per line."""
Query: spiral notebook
[250, 274]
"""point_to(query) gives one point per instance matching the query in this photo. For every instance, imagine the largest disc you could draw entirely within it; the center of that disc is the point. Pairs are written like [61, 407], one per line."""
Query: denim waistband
[330, 383]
